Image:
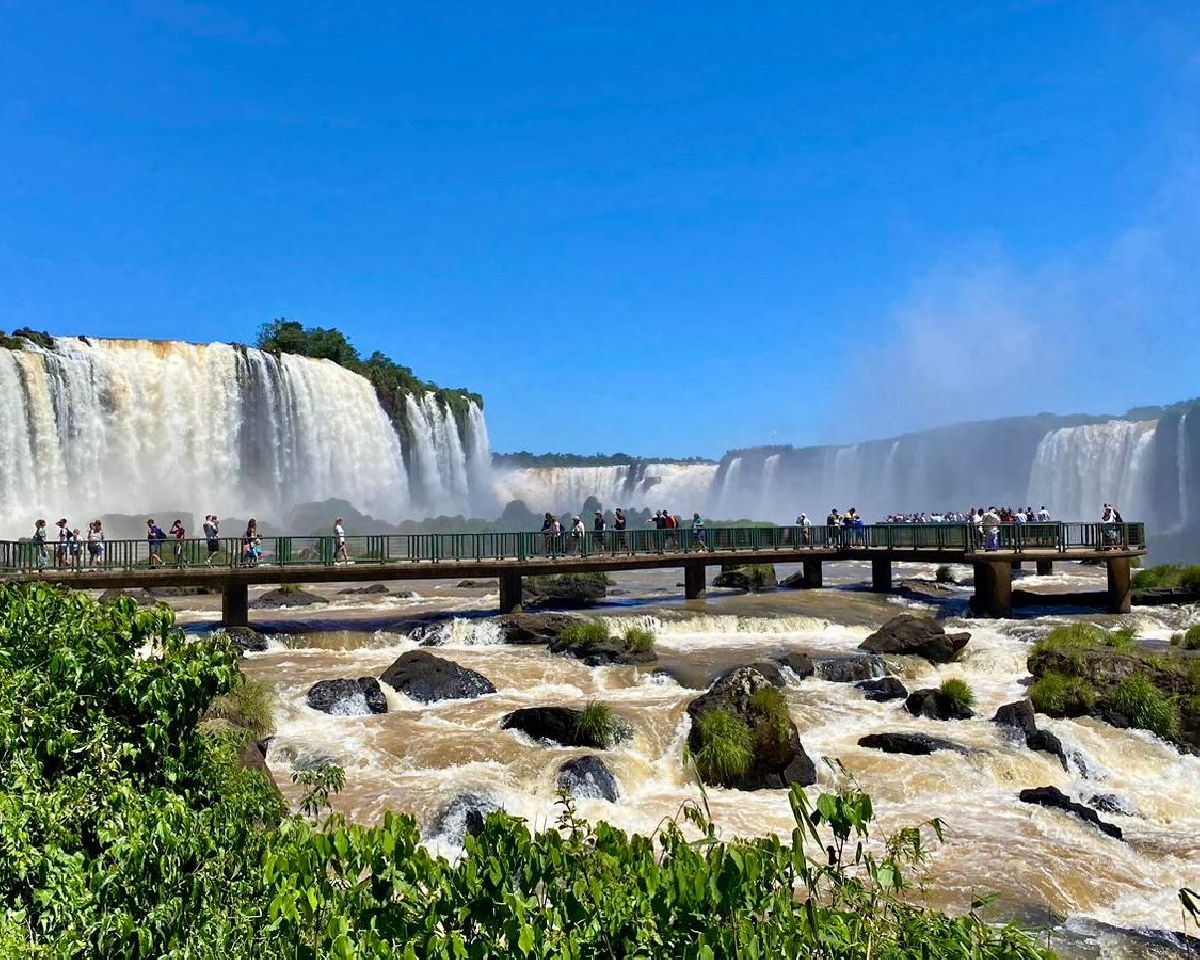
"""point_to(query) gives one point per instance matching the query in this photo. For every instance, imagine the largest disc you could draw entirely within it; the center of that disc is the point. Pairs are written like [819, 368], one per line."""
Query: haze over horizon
[666, 233]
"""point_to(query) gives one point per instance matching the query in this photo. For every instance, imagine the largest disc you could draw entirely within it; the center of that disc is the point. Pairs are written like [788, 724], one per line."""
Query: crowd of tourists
[560, 540]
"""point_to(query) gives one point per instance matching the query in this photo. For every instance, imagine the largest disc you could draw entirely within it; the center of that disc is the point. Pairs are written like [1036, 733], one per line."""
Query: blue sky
[661, 228]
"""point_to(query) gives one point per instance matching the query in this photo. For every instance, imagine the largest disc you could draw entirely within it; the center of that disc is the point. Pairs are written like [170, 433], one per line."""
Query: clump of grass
[726, 747]
[773, 726]
[944, 574]
[958, 692]
[591, 631]
[249, 705]
[1082, 636]
[1146, 706]
[1062, 696]
[596, 726]
[638, 640]
[287, 589]
[1190, 639]
[1168, 575]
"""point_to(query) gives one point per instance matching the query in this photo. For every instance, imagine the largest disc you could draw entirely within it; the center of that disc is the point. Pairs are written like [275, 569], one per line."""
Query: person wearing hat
[577, 533]
[698, 534]
[803, 523]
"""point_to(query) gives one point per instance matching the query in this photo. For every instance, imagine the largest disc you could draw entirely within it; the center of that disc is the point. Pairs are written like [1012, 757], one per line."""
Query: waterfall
[1181, 448]
[678, 487]
[125, 426]
[1078, 469]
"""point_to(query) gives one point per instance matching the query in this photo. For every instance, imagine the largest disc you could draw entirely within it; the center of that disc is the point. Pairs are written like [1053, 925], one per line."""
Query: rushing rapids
[125, 426]
[1045, 865]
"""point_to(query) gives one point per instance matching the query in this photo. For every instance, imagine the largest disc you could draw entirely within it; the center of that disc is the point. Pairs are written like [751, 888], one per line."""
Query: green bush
[726, 747]
[958, 692]
[1058, 695]
[944, 574]
[638, 640]
[128, 831]
[1190, 640]
[1146, 706]
[592, 631]
[596, 726]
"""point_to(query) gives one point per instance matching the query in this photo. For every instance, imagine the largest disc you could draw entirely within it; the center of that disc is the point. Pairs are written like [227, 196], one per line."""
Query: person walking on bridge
[212, 536]
[699, 537]
[95, 540]
[339, 539]
[833, 523]
[39, 543]
[180, 535]
[155, 538]
[619, 524]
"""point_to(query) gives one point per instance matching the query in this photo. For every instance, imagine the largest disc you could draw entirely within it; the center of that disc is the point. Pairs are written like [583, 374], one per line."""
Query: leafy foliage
[726, 747]
[959, 692]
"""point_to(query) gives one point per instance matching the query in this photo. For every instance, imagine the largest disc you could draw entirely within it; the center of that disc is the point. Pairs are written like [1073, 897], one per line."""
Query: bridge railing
[23, 556]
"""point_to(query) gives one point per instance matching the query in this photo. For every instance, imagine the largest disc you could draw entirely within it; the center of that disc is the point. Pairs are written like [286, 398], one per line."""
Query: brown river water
[1045, 866]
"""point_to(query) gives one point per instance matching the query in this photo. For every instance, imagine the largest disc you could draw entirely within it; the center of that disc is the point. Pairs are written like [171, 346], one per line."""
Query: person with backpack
[155, 538]
[212, 537]
[180, 535]
[95, 542]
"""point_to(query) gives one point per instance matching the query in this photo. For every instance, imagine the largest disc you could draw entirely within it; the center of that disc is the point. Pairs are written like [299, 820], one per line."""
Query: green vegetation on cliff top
[130, 830]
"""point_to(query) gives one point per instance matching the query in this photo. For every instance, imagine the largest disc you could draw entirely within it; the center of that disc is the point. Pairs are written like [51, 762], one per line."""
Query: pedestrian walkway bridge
[511, 556]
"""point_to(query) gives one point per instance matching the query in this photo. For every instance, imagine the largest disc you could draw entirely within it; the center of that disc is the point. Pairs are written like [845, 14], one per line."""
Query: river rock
[369, 590]
[430, 634]
[911, 744]
[588, 777]
[176, 591]
[253, 756]
[759, 576]
[555, 724]
[1018, 715]
[935, 705]
[778, 761]
[801, 664]
[925, 589]
[245, 640]
[885, 688]
[462, 817]
[794, 581]
[601, 653]
[143, 598]
[1053, 797]
[479, 584]
[1112, 803]
[422, 676]
[348, 698]
[916, 635]
[528, 628]
[851, 668]
[567, 590]
[275, 599]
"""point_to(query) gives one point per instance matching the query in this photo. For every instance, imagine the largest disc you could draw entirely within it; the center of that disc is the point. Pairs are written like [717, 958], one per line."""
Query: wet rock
[603, 653]
[567, 590]
[851, 669]
[529, 628]
[885, 688]
[935, 705]
[794, 581]
[1055, 798]
[801, 664]
[253, 756]
[245, 640]
[163, 592]
[911, 744]
[348, 698]
[276, 599]
[422, 676]
[1157, 596]
[479, 584]
[588, 777]
[758, 576]
[464, 816]
[143, 598]
[1112, 803]
[430, 634]
[1047, 742]
[925, 589]
[369, 590]
[1018, 715]
[779, 757]
[556, 724]
[916, 635]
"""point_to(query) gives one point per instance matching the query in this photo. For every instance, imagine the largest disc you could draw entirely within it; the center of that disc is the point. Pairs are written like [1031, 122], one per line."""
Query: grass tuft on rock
[958, 692]
[773, 730]
[638, 640]
[249, 705]
[944, 574]
[591, 631]
[726, 747]
[1081, 636]
[1146, 706]
[1058, 695]
[596, 726]
[1189, 639]
[1168, 575]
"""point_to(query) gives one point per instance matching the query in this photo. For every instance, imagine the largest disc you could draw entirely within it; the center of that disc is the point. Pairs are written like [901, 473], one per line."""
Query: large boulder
[348, 698]
[143, 598]
[935, 705]
[1046, 742]
[911, 744]
[801, 664]
[430, 634]
[602, 653]
[1018, 715]
[778, 757]
[916, 635]
[557, 725]
[565, 590]
[795, 581]
[462, 817]
[277, 599]
[422, 676]
[1056, 799]
[758, 576]
[588, 777]
[245, 640]
[851, 668]
[373, 589]
[883, 689]
[529, 628]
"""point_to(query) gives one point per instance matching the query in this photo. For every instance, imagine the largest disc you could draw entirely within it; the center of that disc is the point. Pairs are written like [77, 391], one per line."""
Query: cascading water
[124, 426]
[637, 486]
[1078, 469]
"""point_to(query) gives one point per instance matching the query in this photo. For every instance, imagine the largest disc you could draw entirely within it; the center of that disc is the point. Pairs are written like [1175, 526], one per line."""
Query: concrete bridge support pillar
[1120, 597]
[881, 575]
[695, 583]
[510, 591]
[1045, 568]
[813, 576]
[235, 605]
[993, 589]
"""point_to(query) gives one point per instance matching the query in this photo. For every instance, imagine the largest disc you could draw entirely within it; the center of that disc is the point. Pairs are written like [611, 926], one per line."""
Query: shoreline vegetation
[133, 827]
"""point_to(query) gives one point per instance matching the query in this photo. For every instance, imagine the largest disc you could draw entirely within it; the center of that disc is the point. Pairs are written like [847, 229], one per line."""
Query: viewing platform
[509, 557]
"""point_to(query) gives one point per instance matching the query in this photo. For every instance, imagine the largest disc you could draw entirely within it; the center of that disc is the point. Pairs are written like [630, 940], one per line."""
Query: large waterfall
[674, 486]
[125, 426]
